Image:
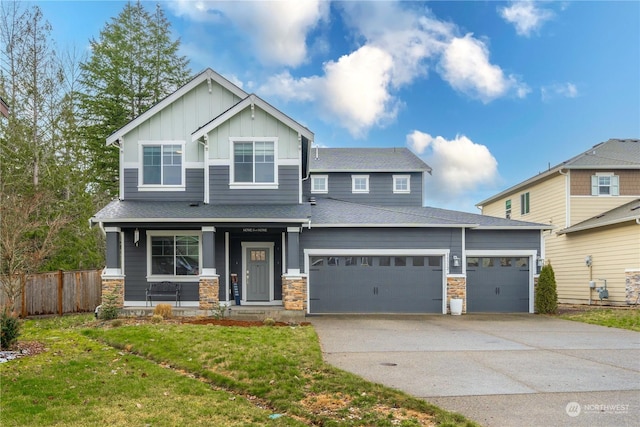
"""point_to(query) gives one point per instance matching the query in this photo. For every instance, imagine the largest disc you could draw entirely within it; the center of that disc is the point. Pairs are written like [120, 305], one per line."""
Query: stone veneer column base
[113, 286]
[457, 288]
[208, 289]
[294, 292]
[632, 286]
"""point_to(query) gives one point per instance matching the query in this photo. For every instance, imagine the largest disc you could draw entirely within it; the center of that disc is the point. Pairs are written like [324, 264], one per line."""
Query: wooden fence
[59, 292]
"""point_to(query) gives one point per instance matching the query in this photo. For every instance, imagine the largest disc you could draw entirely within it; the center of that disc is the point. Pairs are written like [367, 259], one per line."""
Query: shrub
[218, 311]
[156, 318]
[116, 323]
[9, 329]
[109, 309]
[546, 296]
[163, 310]
[268, 322]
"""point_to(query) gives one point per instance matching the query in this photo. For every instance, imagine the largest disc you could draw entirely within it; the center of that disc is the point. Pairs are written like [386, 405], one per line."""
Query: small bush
[116, 323]
[218, 311]
[109, 309]
[268, 322]
[163, 310]
[546, 296]
[9, 329]
[156, 318]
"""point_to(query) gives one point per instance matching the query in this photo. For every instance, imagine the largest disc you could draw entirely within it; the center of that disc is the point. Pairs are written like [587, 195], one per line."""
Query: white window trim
[253, 185]
[396, 179]
[326, 184]
[160, 187]
[527, 196]
[353, 184]
[172, 277]
[614, 184]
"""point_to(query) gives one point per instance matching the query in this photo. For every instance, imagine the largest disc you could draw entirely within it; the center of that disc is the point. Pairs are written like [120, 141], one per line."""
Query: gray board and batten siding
[380, 189]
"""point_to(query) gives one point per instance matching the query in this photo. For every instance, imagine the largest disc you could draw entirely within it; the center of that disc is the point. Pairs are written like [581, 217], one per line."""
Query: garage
[498, 284]
[375, 284]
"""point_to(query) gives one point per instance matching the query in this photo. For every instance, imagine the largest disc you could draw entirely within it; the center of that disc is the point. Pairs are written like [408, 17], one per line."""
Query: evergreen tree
[133, 65]
[546, 296]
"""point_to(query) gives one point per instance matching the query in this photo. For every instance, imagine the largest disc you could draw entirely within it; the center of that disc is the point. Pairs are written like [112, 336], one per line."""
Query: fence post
[60, 286]
[23, 285]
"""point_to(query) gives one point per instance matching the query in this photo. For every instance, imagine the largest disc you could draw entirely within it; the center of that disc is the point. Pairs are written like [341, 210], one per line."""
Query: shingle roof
[611, 154]
[627, 212]
[325, 213]
[398, 159]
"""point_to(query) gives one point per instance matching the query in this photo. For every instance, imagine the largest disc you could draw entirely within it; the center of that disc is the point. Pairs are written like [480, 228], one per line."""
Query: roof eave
[598, 225]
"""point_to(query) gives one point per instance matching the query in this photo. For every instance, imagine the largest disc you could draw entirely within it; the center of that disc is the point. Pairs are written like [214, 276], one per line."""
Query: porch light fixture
[456, 261]
[136, 236]
[540, 262]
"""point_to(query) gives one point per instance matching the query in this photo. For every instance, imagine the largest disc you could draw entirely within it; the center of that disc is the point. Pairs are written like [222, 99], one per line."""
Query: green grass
[180, 374]
[611, 317]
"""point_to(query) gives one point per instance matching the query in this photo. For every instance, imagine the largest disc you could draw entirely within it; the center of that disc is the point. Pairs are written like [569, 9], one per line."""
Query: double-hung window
[254, 162]
[524, 203]
[507, 209]
[173, 254]
[162, 165]
[402, 184]
[605, 184]
[319, 184]
[359, 183]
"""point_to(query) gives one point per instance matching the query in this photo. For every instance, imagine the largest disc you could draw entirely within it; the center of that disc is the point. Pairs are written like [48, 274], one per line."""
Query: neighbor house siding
[286, 193]
[586, 207]
[613, 250]
[629, 181]
[380, 189]
[194, 190]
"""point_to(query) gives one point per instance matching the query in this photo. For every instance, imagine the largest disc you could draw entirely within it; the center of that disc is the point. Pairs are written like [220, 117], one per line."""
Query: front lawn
[182, 374]
[623, 318]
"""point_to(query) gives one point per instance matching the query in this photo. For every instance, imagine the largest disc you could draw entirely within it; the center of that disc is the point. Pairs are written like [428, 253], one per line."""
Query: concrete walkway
[499, 370]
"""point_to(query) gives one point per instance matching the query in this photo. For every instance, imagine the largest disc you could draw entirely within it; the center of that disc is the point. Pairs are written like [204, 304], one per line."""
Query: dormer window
[162, 166]
[254, 163]
[605, 184]
[359, 183]
[319, 184]
[402, 184]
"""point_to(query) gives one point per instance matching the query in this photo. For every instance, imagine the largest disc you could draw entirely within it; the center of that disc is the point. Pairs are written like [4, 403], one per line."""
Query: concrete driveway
[498, 369]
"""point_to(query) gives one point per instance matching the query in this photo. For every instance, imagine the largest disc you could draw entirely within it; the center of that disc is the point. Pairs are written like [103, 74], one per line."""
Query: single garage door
[375, 284]
[498, 284]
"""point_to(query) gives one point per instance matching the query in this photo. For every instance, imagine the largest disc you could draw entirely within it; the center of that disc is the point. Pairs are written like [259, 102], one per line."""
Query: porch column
[112, 275]
[293, 251]
[209, 285]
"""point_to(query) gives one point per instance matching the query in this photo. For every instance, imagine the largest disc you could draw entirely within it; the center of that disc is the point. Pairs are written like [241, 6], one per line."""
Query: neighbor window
[507, 209]
[174, 254]
[162, 164]
[254, 162]
[401, 183]
[319, 184]
[524, 203]
[605, 185]
[360, 183]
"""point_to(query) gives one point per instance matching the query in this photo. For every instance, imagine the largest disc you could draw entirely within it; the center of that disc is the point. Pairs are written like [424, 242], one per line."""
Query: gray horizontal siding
[386, 238]
[380, 189]
[503, 239]
[194, 188]
[221, 194]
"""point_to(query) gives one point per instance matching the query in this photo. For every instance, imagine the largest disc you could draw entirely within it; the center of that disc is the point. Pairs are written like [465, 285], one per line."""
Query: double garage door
[375, 284]
[497, 284]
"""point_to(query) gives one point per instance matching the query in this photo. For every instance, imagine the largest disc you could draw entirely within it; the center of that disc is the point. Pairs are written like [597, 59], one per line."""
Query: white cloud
[562, 90]
[465, 66]
[460, 166]
[276, 30]
[526, 16]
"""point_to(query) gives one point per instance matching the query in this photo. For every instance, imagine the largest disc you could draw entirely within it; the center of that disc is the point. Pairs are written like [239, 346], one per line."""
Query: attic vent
[635, 207]
[599, 216]
[312, 201]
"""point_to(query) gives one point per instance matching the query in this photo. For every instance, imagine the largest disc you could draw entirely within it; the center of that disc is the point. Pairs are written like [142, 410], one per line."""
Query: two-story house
[217, 188]
[593, 202]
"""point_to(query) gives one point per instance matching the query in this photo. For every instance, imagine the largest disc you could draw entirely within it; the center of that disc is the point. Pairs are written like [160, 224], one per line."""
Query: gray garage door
[375, 284]
[497, 284]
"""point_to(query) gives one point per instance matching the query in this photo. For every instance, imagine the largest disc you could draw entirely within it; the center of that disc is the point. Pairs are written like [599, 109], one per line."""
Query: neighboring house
[593, 201]
[216, 184]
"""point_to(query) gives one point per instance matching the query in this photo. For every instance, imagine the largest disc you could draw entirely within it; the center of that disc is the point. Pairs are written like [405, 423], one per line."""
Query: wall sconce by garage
[540, 262]
[136, 236]
[456, 261]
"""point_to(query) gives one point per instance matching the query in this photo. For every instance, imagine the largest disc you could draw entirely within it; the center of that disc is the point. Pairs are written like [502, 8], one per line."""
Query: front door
[258, 274]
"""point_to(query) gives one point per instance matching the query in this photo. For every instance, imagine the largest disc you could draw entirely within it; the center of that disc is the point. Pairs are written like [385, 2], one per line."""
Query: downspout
[567, 217]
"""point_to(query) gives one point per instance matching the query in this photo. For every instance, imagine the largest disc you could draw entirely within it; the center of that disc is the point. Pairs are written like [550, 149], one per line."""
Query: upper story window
[524, 203]
[402, 184]
[319, 184]
[507, 209]
[359, 183]
[162, 165]
[173, 254]
[254, 162]
[605, 184]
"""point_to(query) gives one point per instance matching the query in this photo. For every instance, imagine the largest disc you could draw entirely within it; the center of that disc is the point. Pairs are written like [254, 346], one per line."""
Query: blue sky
[488, 93]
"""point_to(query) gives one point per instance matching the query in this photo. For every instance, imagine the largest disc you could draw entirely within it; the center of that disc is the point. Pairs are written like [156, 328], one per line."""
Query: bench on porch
[162, 289]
